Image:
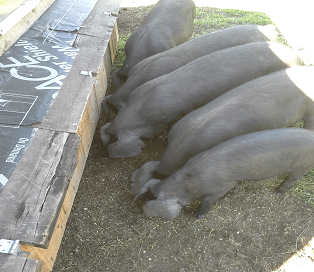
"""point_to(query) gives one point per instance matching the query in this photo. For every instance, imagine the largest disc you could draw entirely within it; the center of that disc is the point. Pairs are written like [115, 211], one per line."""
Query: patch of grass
[221, 18]
[120, 54]
[304, 188]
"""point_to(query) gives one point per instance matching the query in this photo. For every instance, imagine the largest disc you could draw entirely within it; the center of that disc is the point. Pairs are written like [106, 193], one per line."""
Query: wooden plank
[48, 256]
[17, 15]
[16, 31]
[102, 19]
[9, 263]
[77, 111]
[41, 178]
[37, 186]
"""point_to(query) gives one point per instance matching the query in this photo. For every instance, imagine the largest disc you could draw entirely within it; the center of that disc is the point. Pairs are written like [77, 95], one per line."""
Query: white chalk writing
[16, 150]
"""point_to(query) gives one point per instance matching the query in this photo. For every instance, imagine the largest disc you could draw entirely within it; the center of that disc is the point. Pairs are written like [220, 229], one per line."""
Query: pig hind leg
[289, 181]
[208, 200]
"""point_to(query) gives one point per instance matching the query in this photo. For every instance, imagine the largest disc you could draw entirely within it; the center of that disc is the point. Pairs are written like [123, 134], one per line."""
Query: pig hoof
[281, 190]
[199, 216]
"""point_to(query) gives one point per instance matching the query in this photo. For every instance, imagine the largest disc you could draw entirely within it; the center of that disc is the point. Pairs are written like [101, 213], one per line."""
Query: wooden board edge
[48, 256]
[8, 39]
[10, 263]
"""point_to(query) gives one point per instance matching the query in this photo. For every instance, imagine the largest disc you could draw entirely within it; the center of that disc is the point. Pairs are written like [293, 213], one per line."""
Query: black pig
[167, 25]
[278, 100]
[212, 173]
[172, 59]
[169, 97]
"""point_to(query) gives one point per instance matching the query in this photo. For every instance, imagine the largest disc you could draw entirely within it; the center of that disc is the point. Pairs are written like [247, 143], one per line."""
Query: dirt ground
[250, 229]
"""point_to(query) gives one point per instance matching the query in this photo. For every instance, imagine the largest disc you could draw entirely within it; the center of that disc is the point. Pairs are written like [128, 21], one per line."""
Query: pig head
[213, 173]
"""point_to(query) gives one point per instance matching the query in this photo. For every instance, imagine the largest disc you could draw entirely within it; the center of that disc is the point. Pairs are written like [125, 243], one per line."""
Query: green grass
[221, 18]
[120, 54]
[304, 189]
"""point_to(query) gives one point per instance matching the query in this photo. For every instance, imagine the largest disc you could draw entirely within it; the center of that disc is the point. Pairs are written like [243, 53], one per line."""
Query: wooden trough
[36, 198]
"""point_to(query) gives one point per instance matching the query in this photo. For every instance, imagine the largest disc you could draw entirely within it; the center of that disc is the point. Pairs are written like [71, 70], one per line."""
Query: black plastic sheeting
[32, 72]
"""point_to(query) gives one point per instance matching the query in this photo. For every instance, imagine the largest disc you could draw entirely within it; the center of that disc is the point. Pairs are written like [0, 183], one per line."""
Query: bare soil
[251, 229]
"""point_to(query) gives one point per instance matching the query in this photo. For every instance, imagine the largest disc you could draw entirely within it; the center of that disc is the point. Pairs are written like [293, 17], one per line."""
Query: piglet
[277, 100]
[176, 57]
[168, 98]
[167, 25]
[212, 173]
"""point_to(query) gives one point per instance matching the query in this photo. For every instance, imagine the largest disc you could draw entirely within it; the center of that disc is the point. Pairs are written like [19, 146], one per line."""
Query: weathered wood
[102, 19]
[30, 201]
[77, 111]
[40, 192]
[48, 256]
[9, 263]
[11, 35]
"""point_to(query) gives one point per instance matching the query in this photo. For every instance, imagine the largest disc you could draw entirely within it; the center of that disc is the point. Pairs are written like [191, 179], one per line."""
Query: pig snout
[126, 147]
[167, 208]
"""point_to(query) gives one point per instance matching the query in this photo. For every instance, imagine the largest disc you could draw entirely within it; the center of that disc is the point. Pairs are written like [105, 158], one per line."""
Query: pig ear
[104, 136]
[104, 105]
[165, 208]
[148, 185]
[142, 175]
[121, 105]
[126, 147]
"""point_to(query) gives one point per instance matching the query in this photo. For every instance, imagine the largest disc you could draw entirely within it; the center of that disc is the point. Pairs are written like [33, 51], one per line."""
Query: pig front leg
[205, 207]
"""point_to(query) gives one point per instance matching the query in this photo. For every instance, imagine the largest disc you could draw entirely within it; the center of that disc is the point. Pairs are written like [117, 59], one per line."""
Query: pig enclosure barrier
[57, 73]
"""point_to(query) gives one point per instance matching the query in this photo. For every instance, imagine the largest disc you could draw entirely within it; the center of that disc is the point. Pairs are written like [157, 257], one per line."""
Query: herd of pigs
[232, 99]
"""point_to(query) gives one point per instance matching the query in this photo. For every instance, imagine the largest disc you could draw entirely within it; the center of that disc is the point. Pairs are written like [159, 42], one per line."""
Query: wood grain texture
[37, 200]
[31, 199]
[48, 256]
[7, 40]
[9, 263]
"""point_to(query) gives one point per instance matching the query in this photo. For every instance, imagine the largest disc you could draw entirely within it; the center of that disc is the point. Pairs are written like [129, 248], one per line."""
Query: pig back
[171, 96]
[273, 101]
[258, 155]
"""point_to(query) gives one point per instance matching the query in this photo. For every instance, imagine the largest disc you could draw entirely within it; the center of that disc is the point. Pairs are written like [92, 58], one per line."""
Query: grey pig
[168, 98]
[278, 100]
[212, 173]
[172, 59]
[167, 25]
